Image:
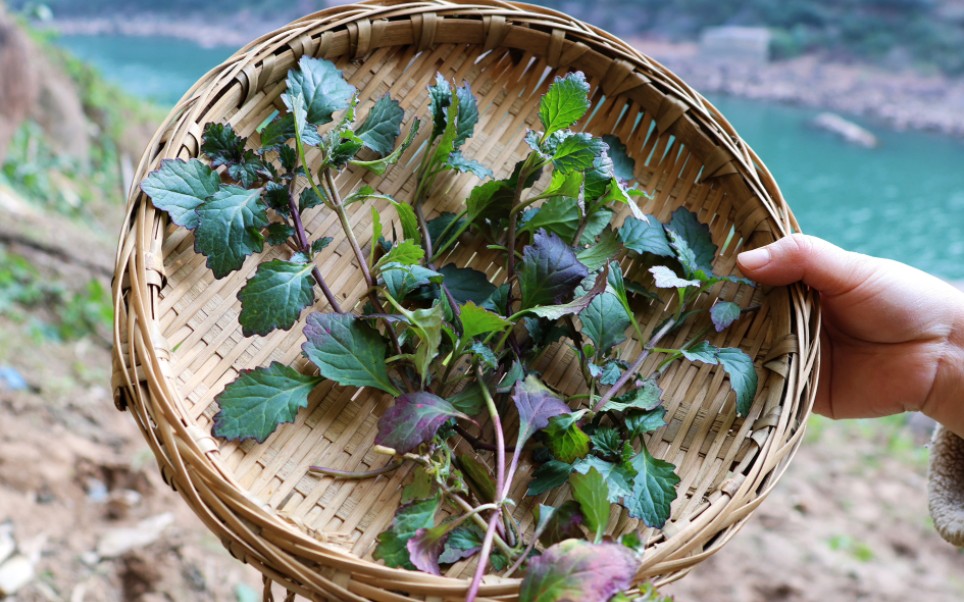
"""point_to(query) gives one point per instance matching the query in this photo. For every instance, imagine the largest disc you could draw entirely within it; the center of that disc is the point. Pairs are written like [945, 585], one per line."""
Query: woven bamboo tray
[178, 342]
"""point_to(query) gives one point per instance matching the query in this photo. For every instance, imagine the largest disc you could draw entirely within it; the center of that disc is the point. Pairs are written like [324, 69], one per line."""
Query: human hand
[892, 336]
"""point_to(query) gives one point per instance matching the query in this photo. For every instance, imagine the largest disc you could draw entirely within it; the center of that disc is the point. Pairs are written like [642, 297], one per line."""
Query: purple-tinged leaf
[667, 278]
[575, 569]
[723, 314]
[577, 305]
[536, 405]
[550, 271]
[392, 543]
[425, 547]
[413, 420]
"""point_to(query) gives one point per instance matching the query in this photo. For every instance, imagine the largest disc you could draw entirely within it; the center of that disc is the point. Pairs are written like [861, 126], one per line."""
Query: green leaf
[413, 420]
[421, 486]
[460, 163]
[592, 493]
[476, 321]
[724, 313]
[548, 476]
[607, 441]
[623, 165]
[319, 88]
[743, 378]
[654, 489]
[380, 166]
[179, 187]
[702, 352]
[664, 277]
[409, 221]
[565, 184]
[247, 170]
[278, 131]
[276, 197]
[696, 238]
[400, 280]
[564, 522]
[639, 422]
[463, 542]
[550, 271]
[478, 476]
[645, 236]
[229, 228]
[221, 144]
[578, 570]
[597, 222]
[601, 253]
[605, 322]
[275, 297]
[406, 252]
[618, 475]
[559, 216]
[348, 351]
[392, 543]
[566, 439]
[468, 115]
[469, 400]
[565, 103]
[309, 199]
[577, 152]
[440, 97]
[278, 234]
[319, 245]
[447, 224]
[259, 400]
[552, 313]
[427, 324]
[382, 126]
[645, 397]
[536, 404]
[492, 199]
[467, 284]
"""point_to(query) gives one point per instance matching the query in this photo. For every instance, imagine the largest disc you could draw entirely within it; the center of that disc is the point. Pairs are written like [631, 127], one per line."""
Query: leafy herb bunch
[458, 354]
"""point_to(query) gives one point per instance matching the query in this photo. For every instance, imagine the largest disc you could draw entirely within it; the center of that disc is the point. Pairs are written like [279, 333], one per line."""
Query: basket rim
[139, 350]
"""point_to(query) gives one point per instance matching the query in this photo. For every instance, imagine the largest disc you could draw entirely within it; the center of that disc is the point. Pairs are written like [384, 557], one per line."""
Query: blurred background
[855, 106]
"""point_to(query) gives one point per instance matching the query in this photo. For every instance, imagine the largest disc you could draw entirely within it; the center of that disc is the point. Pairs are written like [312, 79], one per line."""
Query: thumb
[817, 263]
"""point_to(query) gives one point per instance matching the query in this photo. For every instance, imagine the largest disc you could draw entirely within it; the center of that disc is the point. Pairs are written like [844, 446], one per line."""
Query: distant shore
[904, 100]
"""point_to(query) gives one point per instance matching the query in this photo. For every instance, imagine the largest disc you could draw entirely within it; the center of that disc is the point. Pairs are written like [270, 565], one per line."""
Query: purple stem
[302, 237]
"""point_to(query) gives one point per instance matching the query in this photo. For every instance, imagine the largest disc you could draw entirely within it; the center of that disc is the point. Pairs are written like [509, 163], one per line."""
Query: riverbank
[902, 100]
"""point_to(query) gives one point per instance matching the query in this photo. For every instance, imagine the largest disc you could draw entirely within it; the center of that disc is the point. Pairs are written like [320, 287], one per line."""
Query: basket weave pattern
[178, 342]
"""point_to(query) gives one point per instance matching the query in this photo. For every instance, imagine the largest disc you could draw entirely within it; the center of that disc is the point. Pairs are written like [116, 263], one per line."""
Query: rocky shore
[903, 100]
[899, 99]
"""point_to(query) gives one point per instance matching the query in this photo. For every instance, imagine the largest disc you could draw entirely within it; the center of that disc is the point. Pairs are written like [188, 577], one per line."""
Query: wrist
[945, 401]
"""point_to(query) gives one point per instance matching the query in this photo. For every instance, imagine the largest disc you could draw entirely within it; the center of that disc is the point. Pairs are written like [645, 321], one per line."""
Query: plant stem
[355, 476]
[499, 486]
[631, 372]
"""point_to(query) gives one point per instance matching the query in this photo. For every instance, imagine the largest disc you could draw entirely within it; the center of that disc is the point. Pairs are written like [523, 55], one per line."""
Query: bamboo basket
[178, 342]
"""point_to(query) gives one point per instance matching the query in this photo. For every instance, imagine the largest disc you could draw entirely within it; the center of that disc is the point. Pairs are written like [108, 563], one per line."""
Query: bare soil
[86, 503]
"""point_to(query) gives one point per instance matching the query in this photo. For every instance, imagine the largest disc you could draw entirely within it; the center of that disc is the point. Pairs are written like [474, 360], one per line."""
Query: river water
[903, 200]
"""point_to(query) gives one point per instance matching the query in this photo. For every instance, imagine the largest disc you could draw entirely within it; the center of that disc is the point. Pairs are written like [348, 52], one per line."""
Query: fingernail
[755, 259]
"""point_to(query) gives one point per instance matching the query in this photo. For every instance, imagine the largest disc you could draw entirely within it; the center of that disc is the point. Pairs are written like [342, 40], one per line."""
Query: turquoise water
[904, 200]
[157, 68]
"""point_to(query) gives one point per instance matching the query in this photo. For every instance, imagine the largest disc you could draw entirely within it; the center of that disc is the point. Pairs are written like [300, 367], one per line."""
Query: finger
[798, 257]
